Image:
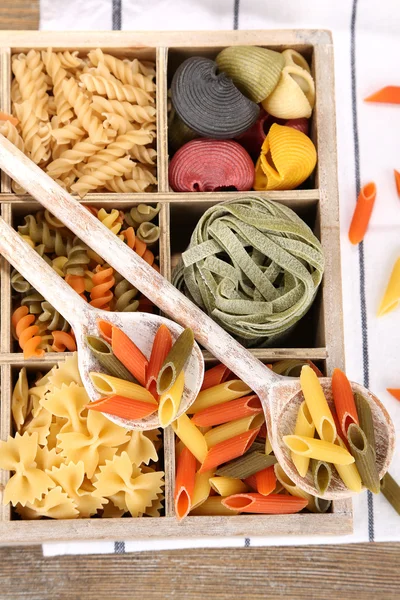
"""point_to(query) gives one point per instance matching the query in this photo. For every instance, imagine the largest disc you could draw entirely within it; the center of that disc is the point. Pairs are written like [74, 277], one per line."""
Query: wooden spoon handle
[40, 275]
[89, 229]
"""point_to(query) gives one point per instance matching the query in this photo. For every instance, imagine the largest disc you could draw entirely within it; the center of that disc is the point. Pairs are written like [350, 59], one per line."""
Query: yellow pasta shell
[294, 96]
[295, 59]
[287, 158]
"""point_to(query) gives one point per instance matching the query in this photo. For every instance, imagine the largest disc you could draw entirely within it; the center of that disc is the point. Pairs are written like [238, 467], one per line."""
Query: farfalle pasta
[127, 486]
[61, 455]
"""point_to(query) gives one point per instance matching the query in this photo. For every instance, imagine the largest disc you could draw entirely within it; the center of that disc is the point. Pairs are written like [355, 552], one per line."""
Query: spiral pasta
[115, 90]
[84, 113]
[58, 74]
[77, 259]
[84, 270]
[110, 220]
[97, 178]
[11, 133]
[26, 332]
[122, 70]
[101, 294]
[71, 108]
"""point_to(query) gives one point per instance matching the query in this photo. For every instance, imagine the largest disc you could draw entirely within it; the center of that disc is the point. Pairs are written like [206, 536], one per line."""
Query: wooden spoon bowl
[141, 329]
[284, 400]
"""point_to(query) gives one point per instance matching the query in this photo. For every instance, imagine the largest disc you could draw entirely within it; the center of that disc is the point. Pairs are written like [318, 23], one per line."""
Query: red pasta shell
[206, 165]
[299, 124]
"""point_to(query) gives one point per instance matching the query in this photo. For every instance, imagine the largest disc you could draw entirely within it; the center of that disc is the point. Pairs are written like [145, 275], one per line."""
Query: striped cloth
[367, 48]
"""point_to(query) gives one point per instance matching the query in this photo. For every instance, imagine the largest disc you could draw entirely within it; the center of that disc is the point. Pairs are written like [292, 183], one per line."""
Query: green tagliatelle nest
[254, 266]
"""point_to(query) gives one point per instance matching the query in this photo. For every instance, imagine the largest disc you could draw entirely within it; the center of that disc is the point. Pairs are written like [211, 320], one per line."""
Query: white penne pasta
[170, 401]
[110, 386]
[304, 426]
[317, 405]
[191, 437]
[202, 488]
[227, 486]
[348, 473]
[229, 430]
[318, 449]
[213, 507]
[230, 390]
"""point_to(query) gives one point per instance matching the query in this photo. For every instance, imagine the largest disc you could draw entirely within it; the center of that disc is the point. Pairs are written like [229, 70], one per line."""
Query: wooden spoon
[83, 318]
[280, 396]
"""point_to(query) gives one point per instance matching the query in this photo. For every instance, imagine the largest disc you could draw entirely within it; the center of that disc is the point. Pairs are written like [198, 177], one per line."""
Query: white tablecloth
[367, 49]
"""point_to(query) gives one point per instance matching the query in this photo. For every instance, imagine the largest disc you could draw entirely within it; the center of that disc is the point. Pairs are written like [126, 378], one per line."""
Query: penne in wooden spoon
[280, 396]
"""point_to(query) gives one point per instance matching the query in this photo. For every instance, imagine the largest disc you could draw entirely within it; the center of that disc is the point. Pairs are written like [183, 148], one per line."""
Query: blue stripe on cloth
[116, 14]
[236, 6]
[119, 547]
[361, 256]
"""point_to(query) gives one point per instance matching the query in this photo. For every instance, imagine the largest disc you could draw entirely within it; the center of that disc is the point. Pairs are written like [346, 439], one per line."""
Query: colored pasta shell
[255, 71]
[287, 158]
[391, 490]
[294, 96]
[208, 103]
[210, 165]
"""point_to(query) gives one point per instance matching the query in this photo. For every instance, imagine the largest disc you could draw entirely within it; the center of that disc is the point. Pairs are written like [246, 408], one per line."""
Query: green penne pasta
[246, 465]
[105, 355]
[321, 505]
[364, 457]
[365, 419]
[391, 490]
[322, 475]
[175, 361]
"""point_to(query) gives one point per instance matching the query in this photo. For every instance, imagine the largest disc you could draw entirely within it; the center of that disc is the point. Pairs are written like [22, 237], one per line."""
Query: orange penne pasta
[105, 329]
[274, 504]
[215, 376]
[388, 95]
[162, 344]
[129, 354]
[228, 450]
[230, 411]
[119, 406]
[395, 392]
[397, 180]
[344, 400]
[184, 483]
[362, 213]
[265, 481]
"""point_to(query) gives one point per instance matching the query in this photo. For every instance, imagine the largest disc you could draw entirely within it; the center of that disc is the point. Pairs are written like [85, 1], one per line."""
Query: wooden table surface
[365, 570]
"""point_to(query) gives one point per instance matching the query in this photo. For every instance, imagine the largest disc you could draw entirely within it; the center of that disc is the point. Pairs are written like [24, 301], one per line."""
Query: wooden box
[319, 337]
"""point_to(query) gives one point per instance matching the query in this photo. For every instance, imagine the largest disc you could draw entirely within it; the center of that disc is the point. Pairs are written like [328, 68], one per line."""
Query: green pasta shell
[255, 71]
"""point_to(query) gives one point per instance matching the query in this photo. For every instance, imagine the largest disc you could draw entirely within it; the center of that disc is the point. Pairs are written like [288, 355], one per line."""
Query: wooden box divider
[179, 212]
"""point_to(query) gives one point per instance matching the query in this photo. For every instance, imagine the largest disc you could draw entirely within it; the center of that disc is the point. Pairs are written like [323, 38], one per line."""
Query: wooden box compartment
[318, 337]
